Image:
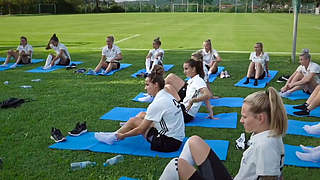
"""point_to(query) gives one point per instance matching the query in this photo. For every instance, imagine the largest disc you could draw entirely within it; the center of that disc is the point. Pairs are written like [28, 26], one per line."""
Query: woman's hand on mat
[210, 116]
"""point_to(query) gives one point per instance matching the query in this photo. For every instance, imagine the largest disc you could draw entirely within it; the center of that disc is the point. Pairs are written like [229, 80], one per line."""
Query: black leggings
[211, 169]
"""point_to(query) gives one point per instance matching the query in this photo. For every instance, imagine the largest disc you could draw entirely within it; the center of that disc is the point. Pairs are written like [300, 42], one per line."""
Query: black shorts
[182, 92]
[260, 77]
[162, 143]
[64, 63]
[25, 60]
[211, 168]
[187, 117]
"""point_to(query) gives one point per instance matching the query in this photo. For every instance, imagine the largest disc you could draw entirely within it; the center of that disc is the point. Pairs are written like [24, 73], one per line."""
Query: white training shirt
[264, 157]
[111, 53]
[193, 91]
[312, 68]
[155, 52]
[208, 57]
[166, 113]
[60, 47]
[262, 59]
[26, 49]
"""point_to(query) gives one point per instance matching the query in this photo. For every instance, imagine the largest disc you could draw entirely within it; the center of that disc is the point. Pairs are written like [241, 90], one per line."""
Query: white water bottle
[114, 160]
[26, 86]
[81, 165]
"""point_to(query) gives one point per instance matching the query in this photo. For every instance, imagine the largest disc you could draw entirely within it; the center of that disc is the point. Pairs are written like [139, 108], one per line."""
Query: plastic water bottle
[114, 160]
[36, 80]
[6, 82]
[26, 86]
[81, 165]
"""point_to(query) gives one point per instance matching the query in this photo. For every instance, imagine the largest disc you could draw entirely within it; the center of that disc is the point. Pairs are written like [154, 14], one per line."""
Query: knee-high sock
[48, 61]
[171, 171]
[309, 149]
[148, 62]
[186, 154]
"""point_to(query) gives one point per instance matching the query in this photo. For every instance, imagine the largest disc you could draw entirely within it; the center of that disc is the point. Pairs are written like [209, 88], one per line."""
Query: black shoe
[247, 81]
[302, 113]
[79, 129]
[71, 66]
[302, 106]
[56, 135]
[80, 71]
[142, 75]
[255, 82]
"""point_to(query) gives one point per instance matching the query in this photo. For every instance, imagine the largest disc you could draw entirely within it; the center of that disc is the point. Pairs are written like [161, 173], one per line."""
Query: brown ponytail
[157, 41]
[53, 38]
[198, 65]
[158, 69]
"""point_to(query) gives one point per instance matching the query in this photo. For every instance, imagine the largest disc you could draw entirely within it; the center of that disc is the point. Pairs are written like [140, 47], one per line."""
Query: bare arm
[117, 58]
[160, 54]
[149, 55]
[205, 96]
[218, 59]
[141, 129]
[304, 80]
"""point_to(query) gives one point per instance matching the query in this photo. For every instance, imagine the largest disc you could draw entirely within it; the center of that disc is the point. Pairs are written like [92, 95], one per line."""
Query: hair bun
[305, 51]
[157, 39]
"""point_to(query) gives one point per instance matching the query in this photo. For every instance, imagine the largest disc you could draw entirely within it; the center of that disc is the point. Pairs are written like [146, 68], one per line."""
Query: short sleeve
[18, 48]
[154, 113]
[200, 83]
[104, 52]
[266, 56]
[118, 51]
[315, 68]
[215, 53]
[251, 56]
[299, 69]
[30, 48]
[268, 160]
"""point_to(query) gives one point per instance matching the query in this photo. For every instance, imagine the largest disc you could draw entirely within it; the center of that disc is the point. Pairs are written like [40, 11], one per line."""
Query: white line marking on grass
[130, 37]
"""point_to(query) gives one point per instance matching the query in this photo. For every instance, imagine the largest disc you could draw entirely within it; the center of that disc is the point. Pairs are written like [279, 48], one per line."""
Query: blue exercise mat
[136, 145]
[298, 95]
[261, 83]
[166, 67]
[226, 120]
[290, 110]
[19, 65]
[40, 70]
[213, 77]
[126, 178]
[221, 102]
[122, 66]
[296, 128]
[291, 158]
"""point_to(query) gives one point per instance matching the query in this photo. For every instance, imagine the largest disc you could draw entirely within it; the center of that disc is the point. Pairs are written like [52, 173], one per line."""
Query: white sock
[315, 129]
[148, 61]
[312, 156]
[48, 61]
[309, 149]
[186, 154]
[171, 171]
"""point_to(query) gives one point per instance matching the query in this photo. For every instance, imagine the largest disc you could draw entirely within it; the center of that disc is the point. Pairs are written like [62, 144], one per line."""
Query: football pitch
[63, 98]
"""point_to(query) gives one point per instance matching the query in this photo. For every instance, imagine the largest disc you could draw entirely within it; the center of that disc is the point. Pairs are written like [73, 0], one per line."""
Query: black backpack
[12, 102]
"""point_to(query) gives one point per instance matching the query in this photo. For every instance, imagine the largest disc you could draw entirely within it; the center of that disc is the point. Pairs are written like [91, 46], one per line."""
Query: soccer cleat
[255, 82]
[79, 129]
[56, 135]
[46, 67]
[4, 65]
[108, 138]
[305, 112]
[147, 98]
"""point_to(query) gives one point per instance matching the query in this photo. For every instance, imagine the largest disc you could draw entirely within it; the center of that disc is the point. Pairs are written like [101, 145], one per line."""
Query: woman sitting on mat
[192, 92]
[110, 59]
[62, 56]
[158, 69]
[263, 114]
[306, 77]
[312, 102]
[258, 67]
[211, 59]
[162, 125]
[22, 55]
[154, 57]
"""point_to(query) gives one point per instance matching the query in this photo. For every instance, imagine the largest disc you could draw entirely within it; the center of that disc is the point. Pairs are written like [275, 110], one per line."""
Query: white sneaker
[222, 75]
[284, 94]
[240, 142]
[226, 74]
[108, 138]
[14, 65]
[147, 98]
[4, 65]
[46, 67]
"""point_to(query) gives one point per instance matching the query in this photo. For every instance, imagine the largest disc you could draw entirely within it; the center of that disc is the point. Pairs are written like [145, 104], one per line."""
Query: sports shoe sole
[61, 140]
[84, 131]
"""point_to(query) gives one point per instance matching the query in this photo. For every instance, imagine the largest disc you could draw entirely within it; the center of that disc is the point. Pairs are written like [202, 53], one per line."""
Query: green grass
[64, 98]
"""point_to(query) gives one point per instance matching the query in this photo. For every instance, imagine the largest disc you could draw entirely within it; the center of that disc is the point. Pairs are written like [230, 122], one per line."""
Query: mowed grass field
[63, 98]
